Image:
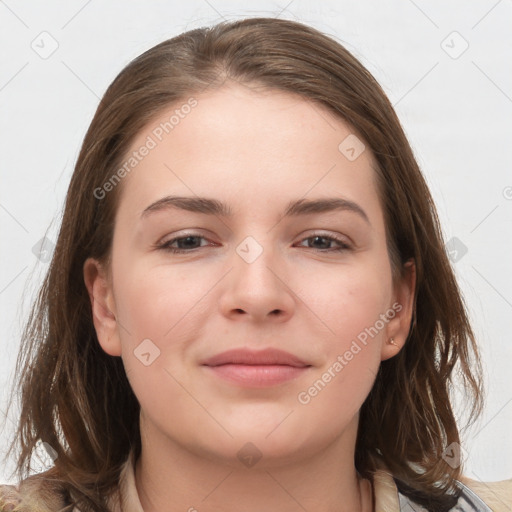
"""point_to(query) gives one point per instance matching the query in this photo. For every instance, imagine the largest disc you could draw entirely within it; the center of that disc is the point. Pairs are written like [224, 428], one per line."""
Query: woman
[195, 346]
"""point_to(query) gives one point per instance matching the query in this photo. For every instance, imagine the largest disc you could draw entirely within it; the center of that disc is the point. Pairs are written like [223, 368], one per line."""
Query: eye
[191, 242]
[325, 240]
[182, 244]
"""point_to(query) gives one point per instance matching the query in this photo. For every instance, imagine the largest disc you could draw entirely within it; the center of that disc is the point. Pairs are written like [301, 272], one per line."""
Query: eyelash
[167, 245]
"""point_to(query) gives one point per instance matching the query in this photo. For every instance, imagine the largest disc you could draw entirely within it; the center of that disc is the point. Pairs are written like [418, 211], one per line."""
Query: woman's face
[283, 267]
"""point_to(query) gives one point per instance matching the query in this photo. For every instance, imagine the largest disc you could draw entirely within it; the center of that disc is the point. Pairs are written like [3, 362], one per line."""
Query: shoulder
[34, 494]
[496, 495]
[476, 496]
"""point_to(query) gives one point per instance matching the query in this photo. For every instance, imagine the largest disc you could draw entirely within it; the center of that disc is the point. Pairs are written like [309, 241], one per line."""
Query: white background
[456, 113]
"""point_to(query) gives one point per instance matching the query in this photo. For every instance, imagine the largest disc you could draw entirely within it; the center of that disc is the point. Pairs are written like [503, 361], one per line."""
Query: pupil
[189, 240]
[316, 238]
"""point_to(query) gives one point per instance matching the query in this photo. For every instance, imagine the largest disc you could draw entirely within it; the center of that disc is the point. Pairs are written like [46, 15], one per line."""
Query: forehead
[246, 146]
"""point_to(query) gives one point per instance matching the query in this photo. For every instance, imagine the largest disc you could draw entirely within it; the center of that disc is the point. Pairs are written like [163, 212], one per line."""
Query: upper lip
[270, 356]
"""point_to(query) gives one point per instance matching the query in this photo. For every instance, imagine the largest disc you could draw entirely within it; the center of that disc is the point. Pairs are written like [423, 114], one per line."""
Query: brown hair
[77, 399]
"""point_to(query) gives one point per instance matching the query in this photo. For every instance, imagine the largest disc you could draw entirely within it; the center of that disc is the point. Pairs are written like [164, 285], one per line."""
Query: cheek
[159, 310]
[160, 318]
[348, 300]
[350, 306]
[159, 302]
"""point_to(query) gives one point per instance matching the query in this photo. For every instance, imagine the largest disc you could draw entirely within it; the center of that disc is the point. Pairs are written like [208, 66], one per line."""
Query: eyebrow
[294, 208]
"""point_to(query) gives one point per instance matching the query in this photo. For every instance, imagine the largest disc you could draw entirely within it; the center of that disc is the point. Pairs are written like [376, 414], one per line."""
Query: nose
[257, 290]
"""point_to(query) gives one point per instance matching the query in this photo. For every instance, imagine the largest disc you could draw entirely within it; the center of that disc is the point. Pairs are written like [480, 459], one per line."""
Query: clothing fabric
[35, 494]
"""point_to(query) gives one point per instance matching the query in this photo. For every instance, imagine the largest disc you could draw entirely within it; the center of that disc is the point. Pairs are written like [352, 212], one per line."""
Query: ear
[401, 308]
[103, 306]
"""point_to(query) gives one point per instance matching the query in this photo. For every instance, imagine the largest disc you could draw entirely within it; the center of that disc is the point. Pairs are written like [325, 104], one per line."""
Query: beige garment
[35, 494]
[497, 495]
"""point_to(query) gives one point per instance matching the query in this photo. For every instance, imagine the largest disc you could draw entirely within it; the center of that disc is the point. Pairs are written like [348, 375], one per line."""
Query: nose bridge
[255, 285]
[253, 263]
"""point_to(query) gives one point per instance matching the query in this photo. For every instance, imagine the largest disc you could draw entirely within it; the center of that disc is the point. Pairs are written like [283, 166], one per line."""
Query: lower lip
[257, 376]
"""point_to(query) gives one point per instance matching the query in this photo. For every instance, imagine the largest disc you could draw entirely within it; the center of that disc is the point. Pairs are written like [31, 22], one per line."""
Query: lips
[256, 358]
[256, 369]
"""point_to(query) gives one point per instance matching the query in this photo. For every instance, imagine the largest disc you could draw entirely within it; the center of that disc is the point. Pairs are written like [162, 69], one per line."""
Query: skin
[255, 150]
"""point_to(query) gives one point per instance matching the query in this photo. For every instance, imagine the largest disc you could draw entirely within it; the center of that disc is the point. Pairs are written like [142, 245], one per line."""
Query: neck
[173, 477]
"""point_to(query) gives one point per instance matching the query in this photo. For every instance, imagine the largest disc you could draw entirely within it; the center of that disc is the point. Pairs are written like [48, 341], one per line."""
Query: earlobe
[102, 306]
[399, 326]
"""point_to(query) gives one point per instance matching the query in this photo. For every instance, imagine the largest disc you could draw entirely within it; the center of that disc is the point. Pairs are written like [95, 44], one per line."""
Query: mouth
[256, 369]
